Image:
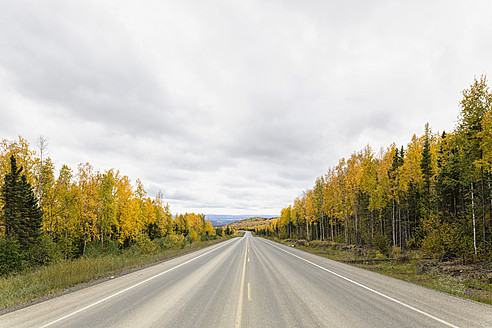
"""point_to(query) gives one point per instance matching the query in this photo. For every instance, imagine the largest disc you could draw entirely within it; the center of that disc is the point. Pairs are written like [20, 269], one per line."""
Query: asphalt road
[252, 282]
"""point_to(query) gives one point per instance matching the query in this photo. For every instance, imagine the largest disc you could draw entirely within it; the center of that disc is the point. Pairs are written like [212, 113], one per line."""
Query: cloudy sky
[233, 107]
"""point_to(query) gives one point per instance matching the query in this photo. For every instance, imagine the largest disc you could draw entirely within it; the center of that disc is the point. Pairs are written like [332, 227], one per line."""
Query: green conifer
[21, 215]
[10, 194]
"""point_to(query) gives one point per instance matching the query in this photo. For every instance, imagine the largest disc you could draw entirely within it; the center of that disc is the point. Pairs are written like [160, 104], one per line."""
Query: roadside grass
[23, 287]
[477, 289]
[472, 281]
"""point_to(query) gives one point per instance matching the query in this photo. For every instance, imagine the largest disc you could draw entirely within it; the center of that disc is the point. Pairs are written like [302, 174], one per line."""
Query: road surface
[252, 282]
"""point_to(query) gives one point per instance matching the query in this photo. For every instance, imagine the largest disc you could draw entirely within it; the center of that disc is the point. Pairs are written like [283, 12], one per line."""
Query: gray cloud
[77, 59]
[229, 107]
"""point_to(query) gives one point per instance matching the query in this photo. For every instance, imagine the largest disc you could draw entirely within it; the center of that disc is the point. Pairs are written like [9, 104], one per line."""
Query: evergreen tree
[22, 215]
[10, 194]
[475, 106]
[31, 217]
[426, 167]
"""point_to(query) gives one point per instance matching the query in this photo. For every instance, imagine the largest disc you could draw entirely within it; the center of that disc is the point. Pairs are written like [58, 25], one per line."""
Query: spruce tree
[10, 194]
[426, 167]
[21, 215]
[32, 216]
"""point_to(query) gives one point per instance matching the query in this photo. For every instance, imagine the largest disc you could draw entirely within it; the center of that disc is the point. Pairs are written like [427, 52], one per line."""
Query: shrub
[302, 242]
[208, 237]
[433, 244]
[319, 243]
[171, 241]
[94, 249]
[192, 236]
[382, 244]
[379, 255]
[146, 246]
[53, 251]
[413, 244]
[11, 256]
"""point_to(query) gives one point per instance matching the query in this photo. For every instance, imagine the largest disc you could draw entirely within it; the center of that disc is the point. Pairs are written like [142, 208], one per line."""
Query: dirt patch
[475, 279]
[467, 273]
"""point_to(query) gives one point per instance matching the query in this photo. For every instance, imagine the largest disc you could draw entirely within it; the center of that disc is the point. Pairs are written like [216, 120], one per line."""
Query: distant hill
[222, 220]
[251, 223]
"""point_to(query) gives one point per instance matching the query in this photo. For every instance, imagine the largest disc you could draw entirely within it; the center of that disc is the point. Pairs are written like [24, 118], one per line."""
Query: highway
[252, 282]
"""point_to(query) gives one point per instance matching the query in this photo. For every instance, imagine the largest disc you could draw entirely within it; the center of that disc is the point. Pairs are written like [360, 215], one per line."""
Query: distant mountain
[251, 223]
[218, 220]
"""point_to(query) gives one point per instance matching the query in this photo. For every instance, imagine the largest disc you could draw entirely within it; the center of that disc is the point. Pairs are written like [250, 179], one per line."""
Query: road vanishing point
[252, 282]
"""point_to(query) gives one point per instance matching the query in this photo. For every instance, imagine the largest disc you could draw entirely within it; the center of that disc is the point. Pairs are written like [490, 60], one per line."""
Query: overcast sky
[233, 107]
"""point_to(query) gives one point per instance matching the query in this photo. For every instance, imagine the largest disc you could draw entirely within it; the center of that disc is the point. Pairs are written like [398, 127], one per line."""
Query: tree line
[48, 214]
[434, 194]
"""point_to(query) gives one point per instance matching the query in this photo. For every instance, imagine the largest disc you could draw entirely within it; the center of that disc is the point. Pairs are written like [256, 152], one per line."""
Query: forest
[433, 195]
[50, 214]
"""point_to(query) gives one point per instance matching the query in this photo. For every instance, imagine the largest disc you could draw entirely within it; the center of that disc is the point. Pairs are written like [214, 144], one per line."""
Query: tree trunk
[85, 221]
[331, 228]
[102, 225]
[323, 225]
[490, 197]
[345, 225]
[399, 223]
[473, 219]
[372, 225]
[393, 230]
[483, 218]
[102, 231]
[381, 224]
[307, 229]
[356, 217]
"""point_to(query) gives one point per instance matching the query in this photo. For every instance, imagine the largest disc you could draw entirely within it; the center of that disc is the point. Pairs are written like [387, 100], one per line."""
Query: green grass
[31, 284]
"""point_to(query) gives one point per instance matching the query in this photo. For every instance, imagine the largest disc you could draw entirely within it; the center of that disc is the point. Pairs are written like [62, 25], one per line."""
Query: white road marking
[249, 293]
[239, 310]
[133, 286]
[368, 288]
